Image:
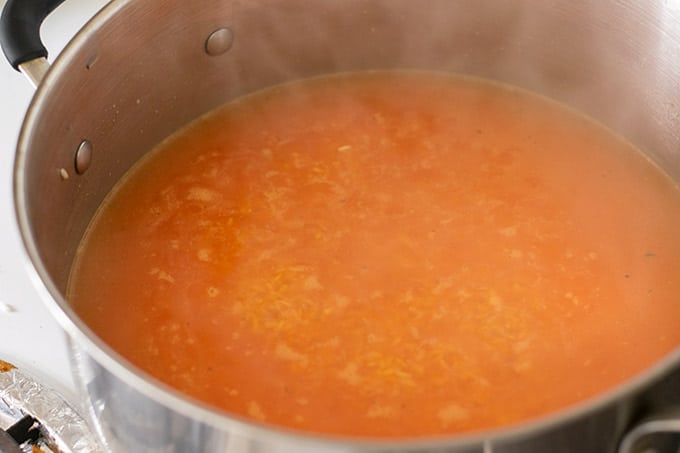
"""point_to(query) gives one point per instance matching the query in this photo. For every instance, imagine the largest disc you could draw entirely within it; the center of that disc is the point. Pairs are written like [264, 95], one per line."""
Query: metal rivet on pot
[219, 41]
[83, 156]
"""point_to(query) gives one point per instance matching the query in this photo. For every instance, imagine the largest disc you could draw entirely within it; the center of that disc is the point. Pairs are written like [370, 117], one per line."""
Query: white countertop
[29, 337]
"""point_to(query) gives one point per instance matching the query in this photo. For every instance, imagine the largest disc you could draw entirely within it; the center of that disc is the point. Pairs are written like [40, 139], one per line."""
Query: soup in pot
[387, 254]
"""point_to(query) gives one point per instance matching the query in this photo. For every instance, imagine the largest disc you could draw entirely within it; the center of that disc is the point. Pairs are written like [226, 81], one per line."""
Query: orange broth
[387, 255]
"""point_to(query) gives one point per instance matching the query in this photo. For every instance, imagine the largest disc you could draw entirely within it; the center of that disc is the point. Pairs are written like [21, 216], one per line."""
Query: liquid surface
[388, 255]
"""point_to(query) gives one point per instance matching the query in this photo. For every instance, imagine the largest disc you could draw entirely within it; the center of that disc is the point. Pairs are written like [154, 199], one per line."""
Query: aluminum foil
[63, 429]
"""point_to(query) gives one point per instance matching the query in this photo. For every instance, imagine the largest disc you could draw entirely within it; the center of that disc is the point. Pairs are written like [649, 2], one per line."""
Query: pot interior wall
[140, 72]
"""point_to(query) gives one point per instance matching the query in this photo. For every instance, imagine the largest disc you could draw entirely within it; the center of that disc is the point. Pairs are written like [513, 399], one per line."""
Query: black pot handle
[20, 29]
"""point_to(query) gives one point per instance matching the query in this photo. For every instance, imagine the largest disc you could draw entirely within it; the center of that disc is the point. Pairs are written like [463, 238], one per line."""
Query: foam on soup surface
[387, 254]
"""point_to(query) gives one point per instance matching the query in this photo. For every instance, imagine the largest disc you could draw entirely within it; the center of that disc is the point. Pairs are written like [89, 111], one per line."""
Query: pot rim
[83, 337]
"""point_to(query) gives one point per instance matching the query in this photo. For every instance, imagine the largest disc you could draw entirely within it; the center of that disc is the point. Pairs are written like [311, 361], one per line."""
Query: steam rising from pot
[515, 42]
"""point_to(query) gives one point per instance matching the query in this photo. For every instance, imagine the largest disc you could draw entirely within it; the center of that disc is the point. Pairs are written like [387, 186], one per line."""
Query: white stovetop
[29, 337]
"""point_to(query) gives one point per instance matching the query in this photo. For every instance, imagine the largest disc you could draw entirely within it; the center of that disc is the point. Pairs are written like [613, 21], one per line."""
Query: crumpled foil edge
[65, 429]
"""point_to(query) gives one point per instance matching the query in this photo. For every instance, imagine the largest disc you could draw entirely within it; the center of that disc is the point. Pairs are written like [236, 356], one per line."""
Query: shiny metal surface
[660, 433]
[35, 70]
[219, 41]
[83, 156]
[139, 71]
[62, 428]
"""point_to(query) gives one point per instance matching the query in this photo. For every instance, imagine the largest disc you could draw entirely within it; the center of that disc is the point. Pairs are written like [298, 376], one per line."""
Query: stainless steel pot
[143, 68]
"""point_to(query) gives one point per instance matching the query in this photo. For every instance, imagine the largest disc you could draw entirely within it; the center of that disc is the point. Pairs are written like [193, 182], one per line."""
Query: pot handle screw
[83, 157]
[219, 41]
